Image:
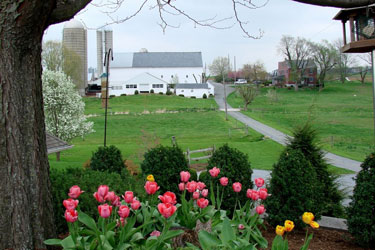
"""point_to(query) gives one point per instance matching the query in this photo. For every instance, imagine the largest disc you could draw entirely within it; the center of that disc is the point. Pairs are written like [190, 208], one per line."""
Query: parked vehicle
[240, 81]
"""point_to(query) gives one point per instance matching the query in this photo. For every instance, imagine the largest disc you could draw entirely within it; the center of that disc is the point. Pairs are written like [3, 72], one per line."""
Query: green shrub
[123, 94]
[211, 95]
[293, 189]
[193, 174]
[165, 163]
[89, 181]
[112, 96]
[161, 93]
[361, 210]
[181, 95]
[203, 176]
[193, 97]
[204, 96]
[107, 159]
[136, 92]
[169, 92]
[236, 167]
[152, 91]
[305, 139]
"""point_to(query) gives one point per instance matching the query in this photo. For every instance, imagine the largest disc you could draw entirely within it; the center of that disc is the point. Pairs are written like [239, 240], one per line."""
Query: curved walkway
[346, 181]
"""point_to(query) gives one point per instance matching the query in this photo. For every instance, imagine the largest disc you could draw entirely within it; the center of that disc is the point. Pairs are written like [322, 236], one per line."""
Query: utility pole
[107, 56]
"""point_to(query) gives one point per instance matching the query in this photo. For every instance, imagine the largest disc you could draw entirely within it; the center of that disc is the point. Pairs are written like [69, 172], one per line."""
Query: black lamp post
[107, 56]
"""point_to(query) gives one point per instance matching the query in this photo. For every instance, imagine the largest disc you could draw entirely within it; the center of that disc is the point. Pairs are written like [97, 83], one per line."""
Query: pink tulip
[128, 196]
[196, 195]
[168, 197]
[224, 181]
[71, 215]
[70, 204]
[260, 209]
[181, 186]
[151, 187]
[110, 196]
[201, 185]
[103, 190]
[204, 192]
[241, 227]
[123, 211]
[259, 182]
[185, 176]
[191, 186]
[116, 201]
[202, 203]
[263, 193]
[252, 194]
[135, 204]
[166, 209]
[98, 197]
[74, 192]
[237, 187]
[214, 172]
[155, 233]
[105, 210]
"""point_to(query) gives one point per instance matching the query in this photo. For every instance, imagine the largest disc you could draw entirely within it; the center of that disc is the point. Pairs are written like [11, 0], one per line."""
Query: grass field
[194, 127]
[342, 114]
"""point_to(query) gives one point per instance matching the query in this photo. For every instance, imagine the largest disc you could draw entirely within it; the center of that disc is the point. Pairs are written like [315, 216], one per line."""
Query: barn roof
[192, 86]
[145, 78]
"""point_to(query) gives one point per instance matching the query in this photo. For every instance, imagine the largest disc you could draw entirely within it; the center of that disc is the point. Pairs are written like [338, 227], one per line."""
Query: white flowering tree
[63, 107]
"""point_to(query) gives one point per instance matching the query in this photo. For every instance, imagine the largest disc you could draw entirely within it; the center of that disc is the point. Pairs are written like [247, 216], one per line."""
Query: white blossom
[63, 107]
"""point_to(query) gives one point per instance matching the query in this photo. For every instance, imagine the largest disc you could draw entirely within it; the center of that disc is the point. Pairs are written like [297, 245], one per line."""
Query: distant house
[195, 90]
[307, 74]
[143, 83]
[166, 66]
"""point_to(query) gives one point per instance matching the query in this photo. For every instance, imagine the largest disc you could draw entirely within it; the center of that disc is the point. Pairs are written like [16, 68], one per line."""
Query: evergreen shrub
[123, 94]
[193, 97]
[234, 165]
[152, 91]
[204, 96]
[89, 181]
[107, 159]
[181, 95]
[169, 92]
[112, 96]
[293, 189]
[161, 93]
[361, 210]
[136, 92]
[165, 163]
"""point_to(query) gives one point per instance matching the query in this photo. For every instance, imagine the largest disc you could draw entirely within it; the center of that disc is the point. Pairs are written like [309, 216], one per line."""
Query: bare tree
[296, 52]
[220, 67]
[344, 61]
[364, 69]
[324, 55]
[255, 71]
[247, 93]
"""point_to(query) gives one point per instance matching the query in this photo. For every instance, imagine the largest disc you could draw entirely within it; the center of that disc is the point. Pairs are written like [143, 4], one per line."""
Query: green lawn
[342, 114]
[148, 103]
[194, 127]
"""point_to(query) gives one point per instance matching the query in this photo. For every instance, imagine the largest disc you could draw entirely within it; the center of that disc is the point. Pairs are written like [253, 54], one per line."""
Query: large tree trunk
[25, 205]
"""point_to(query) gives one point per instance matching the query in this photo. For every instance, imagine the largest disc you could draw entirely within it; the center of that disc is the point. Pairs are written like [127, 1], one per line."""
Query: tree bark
[25, 206]
[338, 3]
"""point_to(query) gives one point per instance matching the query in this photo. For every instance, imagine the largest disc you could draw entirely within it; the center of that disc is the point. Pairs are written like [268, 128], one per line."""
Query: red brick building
[286, 76]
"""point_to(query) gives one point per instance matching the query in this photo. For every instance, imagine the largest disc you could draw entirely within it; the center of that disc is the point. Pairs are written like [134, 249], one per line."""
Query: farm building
[143, 83]
[306, 73]
[195, 90]
[171, 67]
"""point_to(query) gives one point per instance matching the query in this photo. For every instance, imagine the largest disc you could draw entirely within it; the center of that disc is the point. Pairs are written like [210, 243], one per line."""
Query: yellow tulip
[314, 224]
[150, 177]
[280, 230]
[288, 225]
[307, 217]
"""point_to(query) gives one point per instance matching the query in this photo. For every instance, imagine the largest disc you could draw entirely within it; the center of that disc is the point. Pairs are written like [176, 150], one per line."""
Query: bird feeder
[361, 29]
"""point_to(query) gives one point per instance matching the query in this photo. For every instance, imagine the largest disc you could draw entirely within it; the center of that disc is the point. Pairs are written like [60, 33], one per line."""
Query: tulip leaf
[227, 233]
[307, 243]
[53, 242]
[207, 240]
[111, 226]
[87, 220]
[68, 243]
[172, 233]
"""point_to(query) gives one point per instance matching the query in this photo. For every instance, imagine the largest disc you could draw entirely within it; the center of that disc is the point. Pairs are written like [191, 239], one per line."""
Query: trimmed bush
[236, 167]
[107, 159]
[192, 97]
[136, 92]
[89, 181]
[151, 91]
[112, 96]
[169, 92]
[193, 174]
[181, 95]
[204, 96]
[305, 139]
[165, 163]
[211, 95]
[293, 189]
[161, 93]
[123, 94]
[361, 219]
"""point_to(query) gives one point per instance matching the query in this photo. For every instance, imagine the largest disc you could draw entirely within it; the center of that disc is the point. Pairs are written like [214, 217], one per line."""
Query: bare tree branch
[338, 3]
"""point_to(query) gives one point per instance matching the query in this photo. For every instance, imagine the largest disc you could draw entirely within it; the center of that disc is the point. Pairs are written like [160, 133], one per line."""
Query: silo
[75, 39]
[104, 42]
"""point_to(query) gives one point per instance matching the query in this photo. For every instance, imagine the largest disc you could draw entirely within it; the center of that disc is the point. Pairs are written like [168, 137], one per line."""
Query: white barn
[187, 66]
[196, 90]
[143, 83]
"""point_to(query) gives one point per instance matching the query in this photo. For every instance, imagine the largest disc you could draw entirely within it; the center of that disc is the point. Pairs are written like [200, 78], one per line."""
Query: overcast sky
[277, 18]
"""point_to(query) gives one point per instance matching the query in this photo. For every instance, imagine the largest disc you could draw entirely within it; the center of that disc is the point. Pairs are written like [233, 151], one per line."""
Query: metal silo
[104, 42]
[75, 39]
